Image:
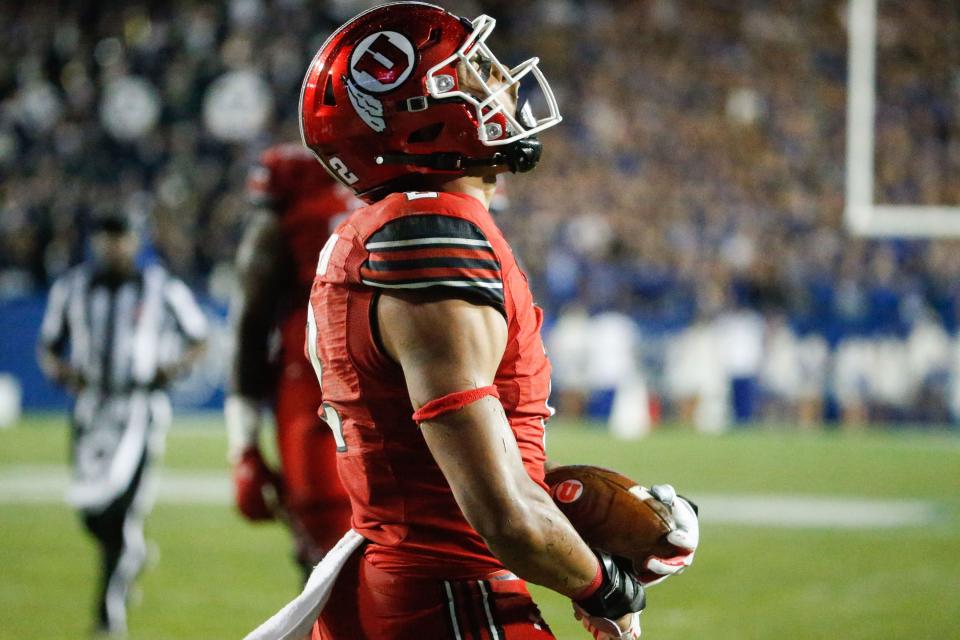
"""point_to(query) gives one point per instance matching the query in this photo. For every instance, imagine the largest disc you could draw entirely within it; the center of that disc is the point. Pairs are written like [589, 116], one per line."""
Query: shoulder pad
[433, 250]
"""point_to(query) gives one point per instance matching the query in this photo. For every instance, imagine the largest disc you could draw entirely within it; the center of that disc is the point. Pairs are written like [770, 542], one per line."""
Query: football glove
[685, 537]
[257, 488]
[604, 629]
[619, 593]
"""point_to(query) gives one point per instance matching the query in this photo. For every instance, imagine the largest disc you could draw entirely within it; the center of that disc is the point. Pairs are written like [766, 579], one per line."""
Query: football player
[424, 335]
[298, 204]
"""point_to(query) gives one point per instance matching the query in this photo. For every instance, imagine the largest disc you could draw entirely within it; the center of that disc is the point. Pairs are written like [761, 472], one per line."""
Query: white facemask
[520, 124]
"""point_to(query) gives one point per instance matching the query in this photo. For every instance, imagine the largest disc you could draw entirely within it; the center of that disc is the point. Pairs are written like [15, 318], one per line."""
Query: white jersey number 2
[330, 414]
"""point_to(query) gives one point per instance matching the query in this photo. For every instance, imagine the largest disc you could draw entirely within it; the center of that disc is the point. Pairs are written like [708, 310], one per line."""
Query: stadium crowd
[695, 189]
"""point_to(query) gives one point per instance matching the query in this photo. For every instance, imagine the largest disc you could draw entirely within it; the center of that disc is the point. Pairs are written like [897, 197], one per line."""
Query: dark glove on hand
[619, 593]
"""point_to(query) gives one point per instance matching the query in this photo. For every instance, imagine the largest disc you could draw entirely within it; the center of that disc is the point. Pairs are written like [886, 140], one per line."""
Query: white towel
[295, 620]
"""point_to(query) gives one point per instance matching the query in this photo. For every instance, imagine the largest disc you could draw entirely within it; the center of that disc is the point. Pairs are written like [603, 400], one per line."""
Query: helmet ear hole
[329, 99]
[428, 133]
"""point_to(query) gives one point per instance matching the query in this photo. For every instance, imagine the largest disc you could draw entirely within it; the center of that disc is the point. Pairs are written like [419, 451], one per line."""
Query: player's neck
[480, 187]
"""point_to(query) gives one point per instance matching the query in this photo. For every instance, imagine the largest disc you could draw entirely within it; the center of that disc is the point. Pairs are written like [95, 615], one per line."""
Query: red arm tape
[593, 587]
[452, 402]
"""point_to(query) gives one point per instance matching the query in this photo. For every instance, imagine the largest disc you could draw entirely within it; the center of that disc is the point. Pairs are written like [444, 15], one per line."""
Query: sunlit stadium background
[742, 235]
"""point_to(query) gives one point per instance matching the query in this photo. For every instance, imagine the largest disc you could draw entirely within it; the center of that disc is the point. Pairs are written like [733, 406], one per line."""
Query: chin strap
[520, 157]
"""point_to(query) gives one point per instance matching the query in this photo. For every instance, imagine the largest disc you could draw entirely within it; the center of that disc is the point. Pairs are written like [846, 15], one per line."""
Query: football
[613, 513]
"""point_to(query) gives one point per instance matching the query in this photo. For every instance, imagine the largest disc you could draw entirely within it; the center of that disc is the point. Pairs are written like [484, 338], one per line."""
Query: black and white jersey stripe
[432, 250]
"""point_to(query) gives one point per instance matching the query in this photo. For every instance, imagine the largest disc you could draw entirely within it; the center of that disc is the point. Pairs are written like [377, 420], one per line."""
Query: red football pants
[316, 501]
[368, 603]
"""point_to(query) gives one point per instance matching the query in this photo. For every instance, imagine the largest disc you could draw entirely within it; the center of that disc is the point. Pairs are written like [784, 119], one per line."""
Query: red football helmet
[407, 89]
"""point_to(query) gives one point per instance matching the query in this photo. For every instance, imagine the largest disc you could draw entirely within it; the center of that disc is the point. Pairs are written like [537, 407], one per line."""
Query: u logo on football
[382, 61]
[568, 491]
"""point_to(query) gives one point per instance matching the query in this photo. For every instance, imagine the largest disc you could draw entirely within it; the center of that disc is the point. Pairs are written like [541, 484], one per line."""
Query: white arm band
[242, 416]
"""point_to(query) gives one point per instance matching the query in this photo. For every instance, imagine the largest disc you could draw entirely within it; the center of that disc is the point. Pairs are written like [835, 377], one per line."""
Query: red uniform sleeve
[434, 251]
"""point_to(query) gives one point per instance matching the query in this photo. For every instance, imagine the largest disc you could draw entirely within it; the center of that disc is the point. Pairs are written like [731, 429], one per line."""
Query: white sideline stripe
[47, 484]
[39, 484]
[808, 512]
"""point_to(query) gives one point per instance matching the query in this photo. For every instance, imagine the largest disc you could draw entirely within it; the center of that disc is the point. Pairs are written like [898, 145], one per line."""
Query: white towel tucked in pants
[295, 620]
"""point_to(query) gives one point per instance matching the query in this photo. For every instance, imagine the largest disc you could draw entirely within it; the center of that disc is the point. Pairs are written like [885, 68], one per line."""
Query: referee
[115, 336]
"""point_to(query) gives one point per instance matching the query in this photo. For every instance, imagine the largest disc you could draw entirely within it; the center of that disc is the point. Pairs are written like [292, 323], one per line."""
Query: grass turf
[217, 576]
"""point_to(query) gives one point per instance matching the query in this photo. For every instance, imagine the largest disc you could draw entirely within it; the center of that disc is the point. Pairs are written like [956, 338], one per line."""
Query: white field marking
[793, 511]
[39, 484]
[47, 484]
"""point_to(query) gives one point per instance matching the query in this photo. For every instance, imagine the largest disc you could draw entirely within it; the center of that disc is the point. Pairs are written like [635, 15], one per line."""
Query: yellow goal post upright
[863, 216]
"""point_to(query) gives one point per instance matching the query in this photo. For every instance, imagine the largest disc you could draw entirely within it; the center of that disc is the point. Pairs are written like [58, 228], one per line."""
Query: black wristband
[619, 593]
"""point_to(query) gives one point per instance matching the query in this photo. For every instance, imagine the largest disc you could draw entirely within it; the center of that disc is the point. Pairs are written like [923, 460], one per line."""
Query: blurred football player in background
[103, 337]
[423, 332]
[298, 205]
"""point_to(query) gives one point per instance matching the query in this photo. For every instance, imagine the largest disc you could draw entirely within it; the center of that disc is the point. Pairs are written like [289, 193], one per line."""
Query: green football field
[803, 536]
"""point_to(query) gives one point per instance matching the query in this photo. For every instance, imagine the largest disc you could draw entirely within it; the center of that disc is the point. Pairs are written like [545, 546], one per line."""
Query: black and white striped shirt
[116, 331]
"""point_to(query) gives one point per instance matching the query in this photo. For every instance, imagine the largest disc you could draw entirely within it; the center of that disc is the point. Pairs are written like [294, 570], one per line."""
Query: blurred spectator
[740, 334]
[696, 379]
[567, 345]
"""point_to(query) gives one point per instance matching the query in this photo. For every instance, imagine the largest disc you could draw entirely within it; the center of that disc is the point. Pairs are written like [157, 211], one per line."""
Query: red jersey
[400, 499]
[308, 205]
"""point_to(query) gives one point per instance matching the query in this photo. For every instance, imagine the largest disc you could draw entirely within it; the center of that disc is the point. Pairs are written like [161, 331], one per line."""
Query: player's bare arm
[260, 267]
[450, 345]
